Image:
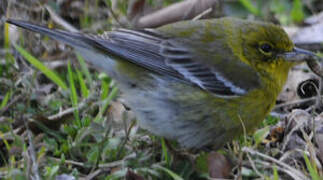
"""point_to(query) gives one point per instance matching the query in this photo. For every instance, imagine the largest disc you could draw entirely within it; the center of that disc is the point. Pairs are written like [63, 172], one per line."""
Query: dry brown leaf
[116, 111]
[133, 176]
[275, 135]
[135, 8]
[219, 166]
[296, 120]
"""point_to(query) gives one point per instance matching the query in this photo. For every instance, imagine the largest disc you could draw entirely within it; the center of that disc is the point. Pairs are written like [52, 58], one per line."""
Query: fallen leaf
[133, 176]
[135, 8]
[219, 166]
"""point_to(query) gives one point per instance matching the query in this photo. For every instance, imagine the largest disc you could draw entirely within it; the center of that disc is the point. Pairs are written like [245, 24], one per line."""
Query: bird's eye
[266, 48]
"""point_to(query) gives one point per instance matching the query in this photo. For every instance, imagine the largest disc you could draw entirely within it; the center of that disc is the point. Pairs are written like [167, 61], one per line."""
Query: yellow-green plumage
[197, 82]
[226, 114]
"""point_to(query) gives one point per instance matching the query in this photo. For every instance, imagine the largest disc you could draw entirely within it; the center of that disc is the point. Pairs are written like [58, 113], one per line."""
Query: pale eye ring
[266, 48]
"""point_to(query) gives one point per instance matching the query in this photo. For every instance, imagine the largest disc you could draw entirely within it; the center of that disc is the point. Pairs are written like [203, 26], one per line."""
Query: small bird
[199, 82]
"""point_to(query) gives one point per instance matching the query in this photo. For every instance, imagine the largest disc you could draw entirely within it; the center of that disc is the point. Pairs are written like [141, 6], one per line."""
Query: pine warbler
[198, 82]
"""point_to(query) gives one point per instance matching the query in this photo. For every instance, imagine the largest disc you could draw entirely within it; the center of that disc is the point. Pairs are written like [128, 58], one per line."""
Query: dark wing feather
[159, 54]
[138, 48]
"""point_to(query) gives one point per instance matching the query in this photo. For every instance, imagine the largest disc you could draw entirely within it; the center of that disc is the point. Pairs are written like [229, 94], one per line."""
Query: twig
[68, 111]
[32, 154]
[117, 163]
[311, 148]
[298, 125]
[93, 175]
[254, 167]
[244, 129]
[115, 17]
[176, 12]
[202, 14]
[270, 166]
[127, 132]
[295, 102]
[104, 166]
[292, 171]
[56, 18]
[288, 153]
[75, 163]
[112, 164]
[9, 136]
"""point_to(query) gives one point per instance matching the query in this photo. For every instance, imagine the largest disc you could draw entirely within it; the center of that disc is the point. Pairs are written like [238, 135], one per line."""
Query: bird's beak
[313, 61]
[298, 55]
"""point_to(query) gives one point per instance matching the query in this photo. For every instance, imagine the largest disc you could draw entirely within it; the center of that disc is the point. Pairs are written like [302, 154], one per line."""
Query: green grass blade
[313, 172]
[169, 172]
[297, 12]
[275, 173]
[104, 89]
[260, 135]
[5, 100]
[73, 92]
[6, 36]
[84, 89]
[112, 94]
[9, 57]
[165, 152]
[41, 67]
[250, 7]
[85, 69]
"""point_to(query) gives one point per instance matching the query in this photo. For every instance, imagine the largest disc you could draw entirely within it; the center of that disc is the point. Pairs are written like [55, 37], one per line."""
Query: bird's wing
[163, 55]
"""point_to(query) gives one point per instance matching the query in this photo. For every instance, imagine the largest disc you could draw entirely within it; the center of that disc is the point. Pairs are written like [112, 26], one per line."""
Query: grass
[68, 118]
[41, 67]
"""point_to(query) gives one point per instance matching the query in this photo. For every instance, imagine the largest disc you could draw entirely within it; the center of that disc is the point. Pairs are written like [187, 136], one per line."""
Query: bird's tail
[71, 38]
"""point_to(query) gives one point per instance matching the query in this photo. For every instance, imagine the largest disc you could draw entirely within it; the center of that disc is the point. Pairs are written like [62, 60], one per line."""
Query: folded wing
[149, 49]
[164, 55]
